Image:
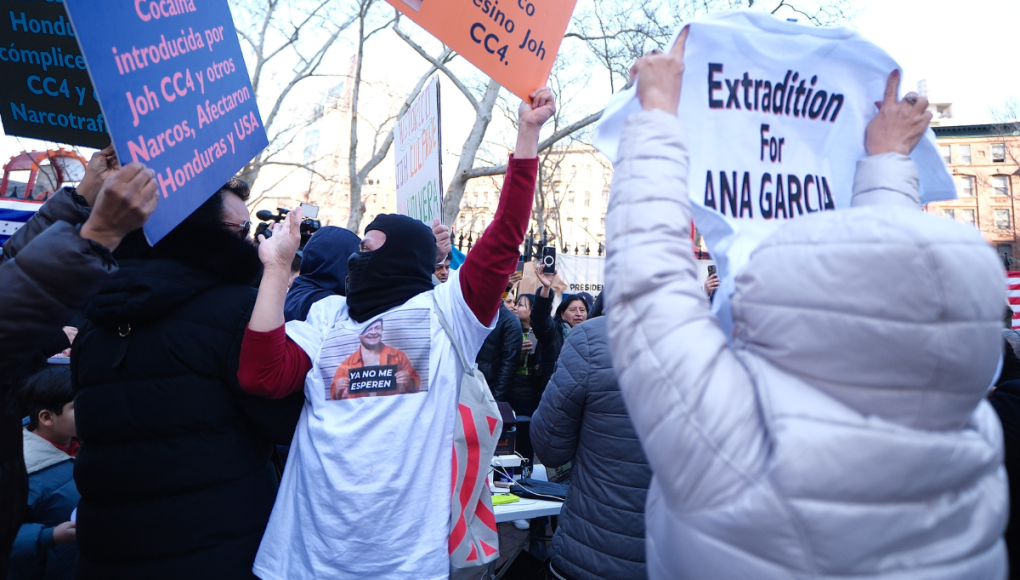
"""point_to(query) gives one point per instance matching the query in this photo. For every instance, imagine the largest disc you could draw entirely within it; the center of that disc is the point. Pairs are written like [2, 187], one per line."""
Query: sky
[963, 50]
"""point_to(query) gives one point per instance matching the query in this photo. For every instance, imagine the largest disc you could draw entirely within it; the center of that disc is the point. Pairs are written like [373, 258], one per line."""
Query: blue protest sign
[175, 92]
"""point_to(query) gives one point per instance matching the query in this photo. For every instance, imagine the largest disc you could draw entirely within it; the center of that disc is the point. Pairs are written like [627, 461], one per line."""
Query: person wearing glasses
[175, 472]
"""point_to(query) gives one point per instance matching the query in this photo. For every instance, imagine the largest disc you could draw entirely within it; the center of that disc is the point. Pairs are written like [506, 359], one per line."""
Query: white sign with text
[419, 157]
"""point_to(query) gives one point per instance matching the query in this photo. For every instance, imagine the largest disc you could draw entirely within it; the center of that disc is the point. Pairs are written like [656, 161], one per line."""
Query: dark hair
[529, 297]
[569, 299]
[211, 212]
[295, 264]
[47, 390]
[598, 308]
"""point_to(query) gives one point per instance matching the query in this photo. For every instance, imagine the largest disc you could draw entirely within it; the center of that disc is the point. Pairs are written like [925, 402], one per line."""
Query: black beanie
[396, 272]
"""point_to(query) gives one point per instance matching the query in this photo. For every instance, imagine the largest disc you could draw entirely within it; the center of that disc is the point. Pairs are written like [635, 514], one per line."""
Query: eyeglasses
[245, 227]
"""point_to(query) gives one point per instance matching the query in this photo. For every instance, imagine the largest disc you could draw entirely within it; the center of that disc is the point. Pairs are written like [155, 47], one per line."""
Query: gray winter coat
[844, 434]
[582, 418]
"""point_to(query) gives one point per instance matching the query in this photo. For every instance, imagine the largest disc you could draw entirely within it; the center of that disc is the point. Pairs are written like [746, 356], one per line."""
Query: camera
[308, 226]
[549, 260]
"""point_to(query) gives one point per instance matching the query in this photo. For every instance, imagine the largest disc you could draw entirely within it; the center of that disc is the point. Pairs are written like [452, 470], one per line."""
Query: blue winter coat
[582, 418]
[52, 496]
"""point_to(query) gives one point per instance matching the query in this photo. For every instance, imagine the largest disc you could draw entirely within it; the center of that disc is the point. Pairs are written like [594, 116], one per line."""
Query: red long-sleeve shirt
[273, 365]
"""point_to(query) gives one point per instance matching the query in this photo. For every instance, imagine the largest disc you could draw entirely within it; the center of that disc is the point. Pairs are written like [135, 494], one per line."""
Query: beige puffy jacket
[844, 434]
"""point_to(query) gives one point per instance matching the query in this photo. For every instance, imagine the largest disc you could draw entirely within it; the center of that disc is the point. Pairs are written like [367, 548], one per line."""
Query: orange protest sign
[513, 41]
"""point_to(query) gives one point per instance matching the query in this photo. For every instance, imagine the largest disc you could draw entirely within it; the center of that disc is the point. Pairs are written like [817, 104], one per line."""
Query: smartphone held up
[549, 260]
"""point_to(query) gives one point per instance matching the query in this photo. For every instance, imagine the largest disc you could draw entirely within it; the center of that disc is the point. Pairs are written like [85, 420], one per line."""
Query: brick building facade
[984, 163]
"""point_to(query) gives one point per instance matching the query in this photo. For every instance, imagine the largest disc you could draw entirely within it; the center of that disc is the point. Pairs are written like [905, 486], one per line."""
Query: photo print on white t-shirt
[389, 357]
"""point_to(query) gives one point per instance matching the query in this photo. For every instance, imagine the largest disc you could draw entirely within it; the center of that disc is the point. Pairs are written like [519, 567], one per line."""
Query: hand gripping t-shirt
[366, 490]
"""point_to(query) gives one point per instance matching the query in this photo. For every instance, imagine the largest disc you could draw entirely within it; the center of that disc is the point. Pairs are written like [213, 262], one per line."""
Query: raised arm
[488, 265]
[691, 400]
[888, 176]
[271, 364]
[541, 313]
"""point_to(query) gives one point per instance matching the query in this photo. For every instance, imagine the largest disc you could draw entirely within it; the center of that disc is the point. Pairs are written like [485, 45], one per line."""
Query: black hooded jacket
[174, 470]
[500, 354]
[323, 270]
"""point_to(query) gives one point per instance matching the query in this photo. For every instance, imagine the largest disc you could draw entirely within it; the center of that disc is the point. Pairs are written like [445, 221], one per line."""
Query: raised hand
[711, 284]
[531, 117]
[899, 125]
[443, 242]
[124, 203]
[102, 165]
[658, 76]
[541, 108]
[546, 280]
[279, 250]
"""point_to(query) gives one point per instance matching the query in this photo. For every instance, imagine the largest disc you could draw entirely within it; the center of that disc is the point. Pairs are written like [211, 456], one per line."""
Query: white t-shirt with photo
[366, 490]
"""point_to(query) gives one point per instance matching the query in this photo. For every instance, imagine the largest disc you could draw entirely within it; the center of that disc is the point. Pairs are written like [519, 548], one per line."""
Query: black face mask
[357, 265]
[394, 273]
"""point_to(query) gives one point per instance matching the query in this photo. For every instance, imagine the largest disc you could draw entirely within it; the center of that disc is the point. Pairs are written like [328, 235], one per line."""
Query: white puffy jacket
[845, 434]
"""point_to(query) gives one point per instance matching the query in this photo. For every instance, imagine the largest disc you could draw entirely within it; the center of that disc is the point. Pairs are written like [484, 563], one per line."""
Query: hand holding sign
[541, 108]
[660, 75]
[443, 243]
[531, 116]
[279, 250]
[103, 164]
[899, 125]
[126, 200]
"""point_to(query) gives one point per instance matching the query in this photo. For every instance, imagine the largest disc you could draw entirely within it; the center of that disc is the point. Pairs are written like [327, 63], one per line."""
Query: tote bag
[474, 539]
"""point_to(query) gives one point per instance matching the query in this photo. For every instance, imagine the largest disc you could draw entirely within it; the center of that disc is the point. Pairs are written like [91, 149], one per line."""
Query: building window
[603, 224]
[584, 223]
[951, 214]
[570, 197]
[311, 144]
[1006, 251]
[587, 199]
[967, 216]
[1002, 219]
[570, 219]
[1000, 183]
[966, 186]
[946, 155]
[605, 194]
[964, 154]
[998, 153]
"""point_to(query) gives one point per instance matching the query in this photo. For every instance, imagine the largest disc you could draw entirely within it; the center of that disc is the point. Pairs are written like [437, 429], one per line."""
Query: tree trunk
[357, 209]
[451, 203]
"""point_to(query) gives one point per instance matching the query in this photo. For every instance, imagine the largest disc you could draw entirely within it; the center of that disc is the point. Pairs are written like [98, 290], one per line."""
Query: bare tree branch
[439, 64]
[304, 166]
[542, 146]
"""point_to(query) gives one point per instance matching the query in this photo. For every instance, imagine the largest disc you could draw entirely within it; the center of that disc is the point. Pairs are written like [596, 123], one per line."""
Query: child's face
[63, 424]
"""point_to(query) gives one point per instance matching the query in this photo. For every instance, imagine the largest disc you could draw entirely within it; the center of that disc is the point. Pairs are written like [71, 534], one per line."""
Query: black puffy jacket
[48, 272]
[174, 469]
[500, 355]
[582, 418]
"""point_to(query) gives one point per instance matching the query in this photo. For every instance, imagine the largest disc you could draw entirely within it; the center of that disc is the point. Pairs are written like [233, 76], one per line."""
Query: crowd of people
[235, 409]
